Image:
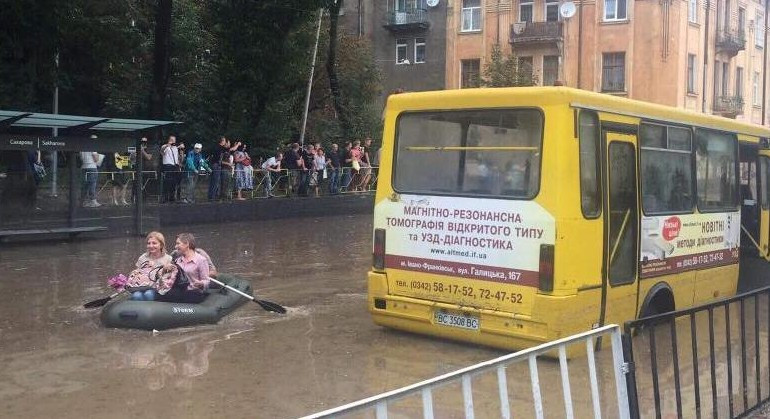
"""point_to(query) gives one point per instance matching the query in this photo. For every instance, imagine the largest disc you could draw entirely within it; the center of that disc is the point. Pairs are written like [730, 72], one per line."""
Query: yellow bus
[514, 216]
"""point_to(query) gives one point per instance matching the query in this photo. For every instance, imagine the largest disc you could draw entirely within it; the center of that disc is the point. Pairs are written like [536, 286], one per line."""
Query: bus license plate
[463, 322]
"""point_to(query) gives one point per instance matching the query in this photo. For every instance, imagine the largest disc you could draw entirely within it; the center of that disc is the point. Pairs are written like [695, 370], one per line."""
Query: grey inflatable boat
[149, 315]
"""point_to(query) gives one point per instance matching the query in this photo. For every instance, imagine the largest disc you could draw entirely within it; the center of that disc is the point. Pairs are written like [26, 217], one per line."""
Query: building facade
[408, 39]
[704, 55]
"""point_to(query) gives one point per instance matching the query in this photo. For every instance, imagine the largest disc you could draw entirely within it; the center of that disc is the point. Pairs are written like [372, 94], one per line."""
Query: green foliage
[238, 68]
[360, 86]
[505, 70]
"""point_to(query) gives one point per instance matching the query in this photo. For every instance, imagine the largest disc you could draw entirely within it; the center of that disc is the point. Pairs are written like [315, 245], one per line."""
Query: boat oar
[267, 305]
[102, 301]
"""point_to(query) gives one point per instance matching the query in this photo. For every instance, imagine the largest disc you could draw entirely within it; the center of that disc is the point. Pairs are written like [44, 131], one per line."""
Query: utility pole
[54, 153]
[310, 79]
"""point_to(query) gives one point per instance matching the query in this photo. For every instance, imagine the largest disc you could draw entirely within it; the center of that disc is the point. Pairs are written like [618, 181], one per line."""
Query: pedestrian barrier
[498, 366]
[193, 187]
[722, 386]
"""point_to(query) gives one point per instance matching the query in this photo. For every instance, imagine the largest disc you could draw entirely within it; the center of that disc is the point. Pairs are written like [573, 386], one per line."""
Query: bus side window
[715, 162]
[590, 191]
[764, 169]
[666, 169]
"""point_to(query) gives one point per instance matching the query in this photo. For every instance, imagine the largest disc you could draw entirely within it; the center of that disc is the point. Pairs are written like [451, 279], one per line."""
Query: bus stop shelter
[24, 134]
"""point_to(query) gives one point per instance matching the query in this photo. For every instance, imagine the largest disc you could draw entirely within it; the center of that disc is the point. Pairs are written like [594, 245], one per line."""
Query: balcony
[407, 20]
[536, 32]
[728, 106]
[731, 41]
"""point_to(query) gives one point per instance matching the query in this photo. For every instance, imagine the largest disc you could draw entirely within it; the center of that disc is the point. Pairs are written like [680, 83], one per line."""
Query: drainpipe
[580, 45]
[497, 41]
[706, 55]
[764, 67]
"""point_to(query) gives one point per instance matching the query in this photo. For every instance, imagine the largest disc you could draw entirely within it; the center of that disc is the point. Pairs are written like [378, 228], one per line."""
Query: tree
[359, 88]
[334, 7]
[161, 55]
[505, 70]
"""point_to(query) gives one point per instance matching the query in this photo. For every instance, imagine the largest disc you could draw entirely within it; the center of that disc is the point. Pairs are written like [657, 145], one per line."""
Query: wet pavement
[59, 361]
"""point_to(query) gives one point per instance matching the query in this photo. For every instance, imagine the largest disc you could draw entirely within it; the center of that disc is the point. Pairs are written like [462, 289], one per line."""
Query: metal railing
[465, 377]
[729, 104]
[718, 361]
[731, 40]
[190, 187]
[418, 17]
[536, 32]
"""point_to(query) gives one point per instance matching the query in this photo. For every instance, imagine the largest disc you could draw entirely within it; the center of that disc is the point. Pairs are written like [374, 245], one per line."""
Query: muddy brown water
[58, 361]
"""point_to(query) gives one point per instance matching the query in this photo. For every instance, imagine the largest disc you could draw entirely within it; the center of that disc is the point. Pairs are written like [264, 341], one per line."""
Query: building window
[550, 69]
[551, 10]
[409, 5]
[614, 9]
[525, 10]
[470, 73]
[471, 15]
[526, 65]
[613, 71]
[725, 78]
[690, 73]
[739, 82]
[419, 50]
[759, 30]
[692, 11]
[717, 67]
[755, 90]
[401, 47]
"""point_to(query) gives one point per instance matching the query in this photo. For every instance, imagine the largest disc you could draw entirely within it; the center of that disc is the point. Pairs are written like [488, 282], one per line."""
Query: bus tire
[660, 299]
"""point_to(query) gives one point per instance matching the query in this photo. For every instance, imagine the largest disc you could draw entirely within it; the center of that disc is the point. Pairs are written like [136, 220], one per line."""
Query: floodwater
[59, 361]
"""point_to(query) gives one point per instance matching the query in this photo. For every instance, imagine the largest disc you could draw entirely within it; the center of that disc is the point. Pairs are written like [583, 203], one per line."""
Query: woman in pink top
[196, 270]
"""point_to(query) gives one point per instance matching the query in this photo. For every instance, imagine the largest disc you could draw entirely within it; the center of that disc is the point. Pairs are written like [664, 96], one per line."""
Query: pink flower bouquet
[118, 282]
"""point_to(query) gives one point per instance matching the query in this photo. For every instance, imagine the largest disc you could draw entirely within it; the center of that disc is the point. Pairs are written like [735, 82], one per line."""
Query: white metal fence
[465, 376]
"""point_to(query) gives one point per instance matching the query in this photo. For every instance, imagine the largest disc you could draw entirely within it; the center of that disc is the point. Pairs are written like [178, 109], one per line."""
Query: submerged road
[58, 361]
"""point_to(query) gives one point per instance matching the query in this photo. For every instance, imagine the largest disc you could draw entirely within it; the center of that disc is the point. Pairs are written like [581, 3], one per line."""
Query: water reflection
[173, 364]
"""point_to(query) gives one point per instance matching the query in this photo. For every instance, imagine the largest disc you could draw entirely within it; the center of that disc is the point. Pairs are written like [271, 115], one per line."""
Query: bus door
[621, 228]
[764, 203]
[751, 240]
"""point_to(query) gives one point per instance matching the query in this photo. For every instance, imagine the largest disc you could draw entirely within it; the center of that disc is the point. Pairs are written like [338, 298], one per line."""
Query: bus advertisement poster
[485, 239]
[678, 243]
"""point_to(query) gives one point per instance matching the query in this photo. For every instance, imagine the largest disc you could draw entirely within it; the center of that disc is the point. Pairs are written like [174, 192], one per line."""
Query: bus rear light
[378, 256]
[546, 267]
[379, 303]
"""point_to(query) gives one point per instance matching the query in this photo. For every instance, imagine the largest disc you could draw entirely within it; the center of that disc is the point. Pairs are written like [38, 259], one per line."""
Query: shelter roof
[47, 120]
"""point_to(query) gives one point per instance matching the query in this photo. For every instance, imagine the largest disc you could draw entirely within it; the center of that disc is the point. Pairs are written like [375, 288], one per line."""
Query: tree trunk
[331, 66]
[161, 59]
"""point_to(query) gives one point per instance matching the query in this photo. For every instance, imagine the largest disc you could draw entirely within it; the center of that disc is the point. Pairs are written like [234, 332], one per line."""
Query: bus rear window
[475, 152]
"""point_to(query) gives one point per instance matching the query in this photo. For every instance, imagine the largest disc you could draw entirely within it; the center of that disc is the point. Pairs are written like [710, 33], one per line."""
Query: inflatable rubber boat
[149, 315]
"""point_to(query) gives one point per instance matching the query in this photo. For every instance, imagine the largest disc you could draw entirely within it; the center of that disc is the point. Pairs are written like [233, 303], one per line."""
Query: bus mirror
[378, 256]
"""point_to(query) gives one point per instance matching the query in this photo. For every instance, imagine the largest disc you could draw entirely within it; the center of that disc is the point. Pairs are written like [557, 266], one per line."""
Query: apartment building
[704, 55]
[408, 39]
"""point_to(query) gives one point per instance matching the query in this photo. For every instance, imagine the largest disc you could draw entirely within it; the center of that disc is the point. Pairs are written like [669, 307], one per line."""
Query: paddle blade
[97, 303]
[270, 306]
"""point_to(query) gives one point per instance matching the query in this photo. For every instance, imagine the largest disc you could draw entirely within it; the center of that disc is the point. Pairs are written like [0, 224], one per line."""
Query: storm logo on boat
[182, 310]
